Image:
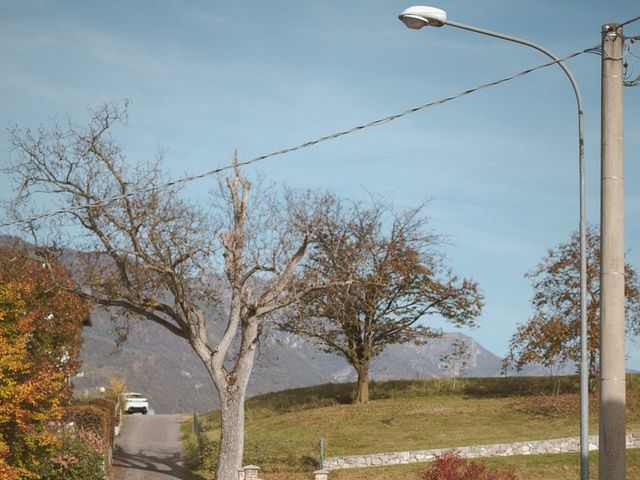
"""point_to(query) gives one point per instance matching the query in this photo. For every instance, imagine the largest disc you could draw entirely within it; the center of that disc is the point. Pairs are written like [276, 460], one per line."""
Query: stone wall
[558, 445]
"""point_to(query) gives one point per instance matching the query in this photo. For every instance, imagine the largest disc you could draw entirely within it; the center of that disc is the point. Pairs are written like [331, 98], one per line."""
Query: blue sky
[499, 166]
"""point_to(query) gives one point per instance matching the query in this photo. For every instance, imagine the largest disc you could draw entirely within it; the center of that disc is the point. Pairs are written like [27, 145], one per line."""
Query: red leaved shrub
[451, 466]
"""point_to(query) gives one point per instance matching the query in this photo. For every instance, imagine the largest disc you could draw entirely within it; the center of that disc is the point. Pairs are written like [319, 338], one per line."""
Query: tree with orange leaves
[40, 338]
[551, 336]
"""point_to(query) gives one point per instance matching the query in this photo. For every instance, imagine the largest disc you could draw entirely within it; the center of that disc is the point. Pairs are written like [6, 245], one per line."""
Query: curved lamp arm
[420, 16]
[584, 367]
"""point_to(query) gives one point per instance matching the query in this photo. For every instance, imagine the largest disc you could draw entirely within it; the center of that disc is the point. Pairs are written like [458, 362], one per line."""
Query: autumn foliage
[551, 336]
[40, 337]
[384, 278]
[451, 466]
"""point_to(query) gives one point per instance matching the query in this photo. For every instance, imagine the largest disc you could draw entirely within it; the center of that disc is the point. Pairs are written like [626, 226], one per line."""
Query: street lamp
[422, 16]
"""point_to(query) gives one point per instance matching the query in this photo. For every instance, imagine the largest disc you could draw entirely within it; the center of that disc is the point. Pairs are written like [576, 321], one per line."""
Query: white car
[135, 402]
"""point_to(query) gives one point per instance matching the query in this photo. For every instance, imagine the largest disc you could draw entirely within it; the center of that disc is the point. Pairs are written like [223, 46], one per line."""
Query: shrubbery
[97, 420]
[200, 452]
[451, 466]
[73, 459]
[207, 453]
[40, 337]
[81, 452]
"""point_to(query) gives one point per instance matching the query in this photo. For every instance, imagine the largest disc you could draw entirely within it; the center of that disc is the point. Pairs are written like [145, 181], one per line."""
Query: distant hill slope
[164, 367]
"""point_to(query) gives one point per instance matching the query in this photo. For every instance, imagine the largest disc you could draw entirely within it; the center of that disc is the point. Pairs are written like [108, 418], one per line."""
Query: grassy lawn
[283, 429]
[534, 467]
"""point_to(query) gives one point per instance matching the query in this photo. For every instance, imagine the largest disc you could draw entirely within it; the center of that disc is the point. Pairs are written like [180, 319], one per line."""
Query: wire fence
[197, 426]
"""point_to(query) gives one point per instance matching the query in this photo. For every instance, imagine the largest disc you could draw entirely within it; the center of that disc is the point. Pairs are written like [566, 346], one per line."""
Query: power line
[628, 81]
[301, 146]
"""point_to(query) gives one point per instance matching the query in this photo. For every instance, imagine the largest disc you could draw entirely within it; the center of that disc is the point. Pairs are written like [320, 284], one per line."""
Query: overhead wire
[628, 80]
[630, 21]
[307, 144]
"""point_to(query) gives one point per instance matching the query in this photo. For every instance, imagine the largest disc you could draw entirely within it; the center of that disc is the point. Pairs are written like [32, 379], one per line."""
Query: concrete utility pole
[612, 317]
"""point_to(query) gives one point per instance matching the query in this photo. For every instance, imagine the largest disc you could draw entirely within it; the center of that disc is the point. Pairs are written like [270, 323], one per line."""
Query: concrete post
[251, 472]
[321, 475]
[612, 316]
[241, 474]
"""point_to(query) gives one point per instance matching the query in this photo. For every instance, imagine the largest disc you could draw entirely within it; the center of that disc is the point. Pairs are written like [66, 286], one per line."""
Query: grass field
[534, 467]
[283, 429]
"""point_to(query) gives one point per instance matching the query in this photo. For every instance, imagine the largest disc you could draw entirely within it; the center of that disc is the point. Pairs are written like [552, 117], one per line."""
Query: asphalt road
[148, 448]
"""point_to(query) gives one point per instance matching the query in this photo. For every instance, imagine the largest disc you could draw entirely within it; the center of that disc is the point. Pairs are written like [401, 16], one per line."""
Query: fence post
[321, 453]
[118, 416]
[321, 475]
[197, 429]
[251, 472]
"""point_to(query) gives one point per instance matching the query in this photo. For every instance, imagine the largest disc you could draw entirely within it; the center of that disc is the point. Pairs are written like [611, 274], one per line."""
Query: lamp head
[421, 16]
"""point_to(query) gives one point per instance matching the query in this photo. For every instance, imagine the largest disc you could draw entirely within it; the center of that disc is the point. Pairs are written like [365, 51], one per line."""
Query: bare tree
[456, 361]
[386, 274]
[154, 255]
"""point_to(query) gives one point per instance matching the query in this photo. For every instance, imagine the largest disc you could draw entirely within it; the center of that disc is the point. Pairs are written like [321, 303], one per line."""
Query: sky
[499, 167]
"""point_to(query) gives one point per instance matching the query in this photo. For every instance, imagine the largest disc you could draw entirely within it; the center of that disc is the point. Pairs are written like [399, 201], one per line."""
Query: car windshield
[135, 395]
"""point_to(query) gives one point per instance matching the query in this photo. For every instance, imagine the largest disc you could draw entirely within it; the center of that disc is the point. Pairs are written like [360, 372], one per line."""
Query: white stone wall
[558, 445]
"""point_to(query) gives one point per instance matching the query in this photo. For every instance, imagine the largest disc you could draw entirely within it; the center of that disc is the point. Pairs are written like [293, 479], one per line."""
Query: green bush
[73, 460]
[189, 444]
[200, 451]
[207, 454]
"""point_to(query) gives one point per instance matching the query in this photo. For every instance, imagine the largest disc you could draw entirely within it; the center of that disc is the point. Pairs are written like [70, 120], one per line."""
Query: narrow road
[148, 448]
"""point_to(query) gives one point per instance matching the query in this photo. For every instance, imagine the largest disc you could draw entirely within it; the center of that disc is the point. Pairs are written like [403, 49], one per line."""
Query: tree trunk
[232, 389]
[363, 383]
[232, 435]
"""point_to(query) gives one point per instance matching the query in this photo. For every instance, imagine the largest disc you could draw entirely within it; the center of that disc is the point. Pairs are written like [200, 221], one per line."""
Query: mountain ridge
[164, 367]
